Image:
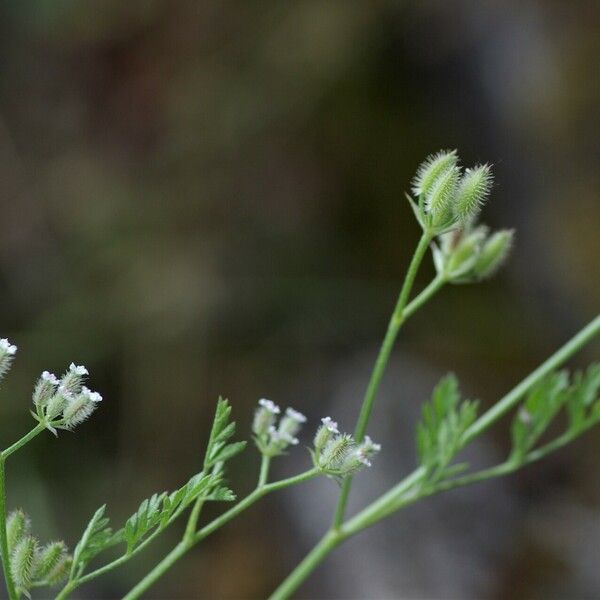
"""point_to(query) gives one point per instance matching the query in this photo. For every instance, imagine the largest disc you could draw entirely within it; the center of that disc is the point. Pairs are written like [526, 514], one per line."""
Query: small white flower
[92, 396]
[371, 445]
[361, 457]
[78, 369]
[330, 424]
[270, 406]
[50, 378]
[7, 346]
[65, 392]
[295, 415]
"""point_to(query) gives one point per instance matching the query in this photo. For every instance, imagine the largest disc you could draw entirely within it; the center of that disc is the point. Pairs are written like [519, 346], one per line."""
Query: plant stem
[315, 557]
[26, 438]
[10, 585]
[264, 470]
[512, 398]
[186, 544]
[397, 319]
[394, 499]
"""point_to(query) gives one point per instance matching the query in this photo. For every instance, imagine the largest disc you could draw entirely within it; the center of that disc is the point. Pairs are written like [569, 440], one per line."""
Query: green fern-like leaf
[542, 404]
[218, 449]
[96, 538]
[444, 420]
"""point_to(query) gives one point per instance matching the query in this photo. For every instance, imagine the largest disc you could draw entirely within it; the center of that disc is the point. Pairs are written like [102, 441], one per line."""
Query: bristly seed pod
[17, 526]
[440, 199]
[22, 562]
[80, 408]
[60, 571]
[73, 378]
[474, 188]
[7, 354]
[431, 169]
[494, 253]
[328, 428]
[45, 388]
[48, 558]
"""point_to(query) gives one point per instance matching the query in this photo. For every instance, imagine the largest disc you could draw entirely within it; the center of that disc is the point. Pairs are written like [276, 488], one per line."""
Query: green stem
[396, 497]
[512, 398]
[315, 557]
[26, 438]
[397, 319]
[264, 470]
[186, 544]
[10, 585]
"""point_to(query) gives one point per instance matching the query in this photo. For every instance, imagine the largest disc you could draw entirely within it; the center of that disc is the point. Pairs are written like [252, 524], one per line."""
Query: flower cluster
[32, 565]
[338, 454]
[7, 354]
[64, 403]
[445, 196]
[273, 438]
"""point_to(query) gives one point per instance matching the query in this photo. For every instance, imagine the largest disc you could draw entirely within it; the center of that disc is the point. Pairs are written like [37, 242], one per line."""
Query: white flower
[50, 378]
[78, 369]
[7, 346]
[371, 445]
[270, 406]
[362, 457]
[278, 436]
[330, 424]
[295, 415]
[92, 396]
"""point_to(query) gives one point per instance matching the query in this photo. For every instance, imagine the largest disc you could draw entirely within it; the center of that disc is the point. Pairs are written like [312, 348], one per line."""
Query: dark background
[203, 198]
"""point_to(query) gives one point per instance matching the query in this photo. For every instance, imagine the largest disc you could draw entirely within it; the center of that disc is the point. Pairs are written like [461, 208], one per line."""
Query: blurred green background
[203, 198]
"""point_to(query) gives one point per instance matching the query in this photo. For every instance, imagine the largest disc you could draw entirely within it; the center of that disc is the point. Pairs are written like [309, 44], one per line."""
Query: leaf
[96, 538]
[146, 518]
[160, 510]
[444, 420]
[583, 402]
[218, 450]
[542, 404]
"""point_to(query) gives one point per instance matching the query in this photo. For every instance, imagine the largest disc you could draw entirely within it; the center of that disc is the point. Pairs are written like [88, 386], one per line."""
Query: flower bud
[431, 169]
[45, 388]
[494, 253]
[7, 354]
[58, 403]
[73, 378]
[264, 417]
[17, 526]
[474, 187]
[22, 561]
[80, 408]
[324, 433]
[290, 425]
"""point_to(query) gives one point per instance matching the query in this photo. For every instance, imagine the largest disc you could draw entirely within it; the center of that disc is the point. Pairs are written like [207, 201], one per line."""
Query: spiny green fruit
[473, 189]
[440, 199]
[494, 253]
[48, 558]
[17, 526]
[431, 169]
[22, 561]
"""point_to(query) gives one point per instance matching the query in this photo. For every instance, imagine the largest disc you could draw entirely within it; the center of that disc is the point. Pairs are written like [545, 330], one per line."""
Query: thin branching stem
[408, 491]
[397, 319]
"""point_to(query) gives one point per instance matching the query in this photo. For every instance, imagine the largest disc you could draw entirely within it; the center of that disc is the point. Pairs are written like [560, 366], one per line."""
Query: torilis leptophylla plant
[446, 201]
